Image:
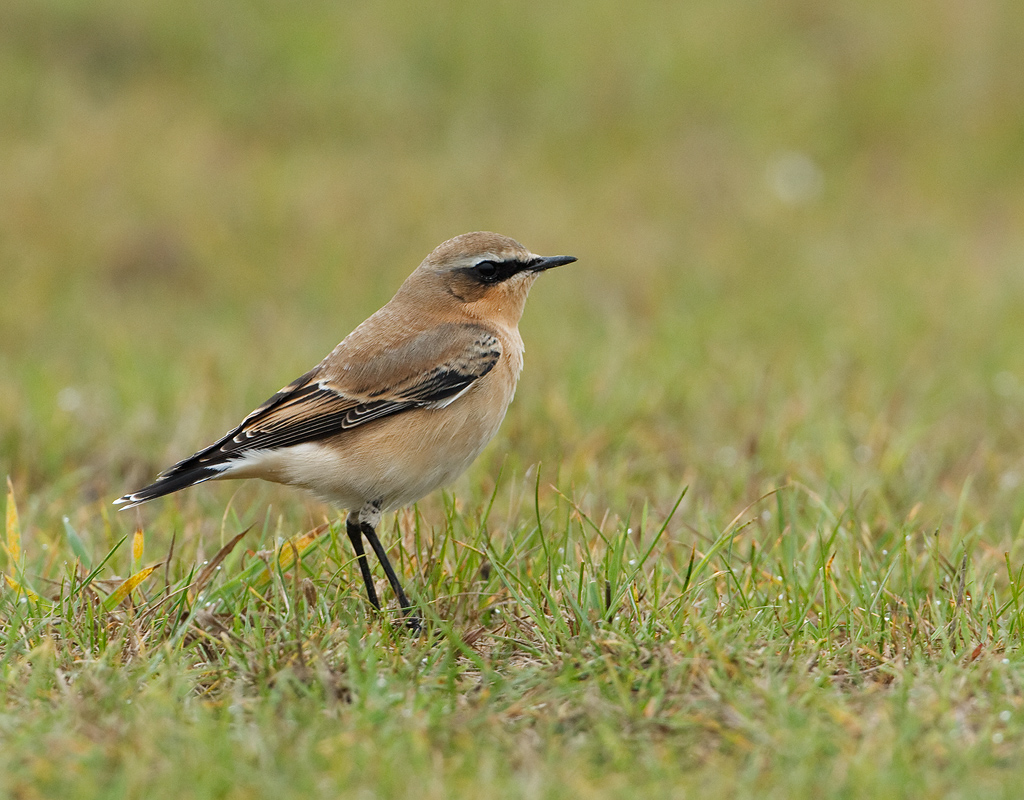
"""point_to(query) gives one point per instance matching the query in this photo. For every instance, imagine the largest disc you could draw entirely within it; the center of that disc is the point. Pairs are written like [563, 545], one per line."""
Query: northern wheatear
[401, 407]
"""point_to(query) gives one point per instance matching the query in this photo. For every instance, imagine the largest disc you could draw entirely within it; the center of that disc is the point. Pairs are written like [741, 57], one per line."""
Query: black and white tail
[212, 461]
[185, 473]
[171, 481]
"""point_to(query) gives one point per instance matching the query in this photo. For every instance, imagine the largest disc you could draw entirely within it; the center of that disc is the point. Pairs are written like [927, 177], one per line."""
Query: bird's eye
[486, 271]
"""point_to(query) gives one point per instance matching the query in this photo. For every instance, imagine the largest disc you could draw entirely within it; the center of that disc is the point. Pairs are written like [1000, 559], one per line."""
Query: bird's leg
[378, 548]
[355, 535]
[369, 517]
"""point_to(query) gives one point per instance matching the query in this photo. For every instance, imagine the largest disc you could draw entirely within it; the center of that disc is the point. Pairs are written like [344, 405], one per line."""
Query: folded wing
[429, 369]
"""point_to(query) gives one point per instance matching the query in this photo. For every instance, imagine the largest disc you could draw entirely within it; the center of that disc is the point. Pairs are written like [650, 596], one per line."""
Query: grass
[751, 527]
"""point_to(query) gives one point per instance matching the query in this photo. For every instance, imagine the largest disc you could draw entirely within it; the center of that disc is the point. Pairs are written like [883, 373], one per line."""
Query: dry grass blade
[290, 550]
[127, 586]
[208, 571]
[12, 544]
[295, 546]
[12, 538]
[138, 545]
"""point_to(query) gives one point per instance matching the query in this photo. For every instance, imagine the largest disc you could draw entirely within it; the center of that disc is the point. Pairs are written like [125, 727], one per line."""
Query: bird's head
[483, 274]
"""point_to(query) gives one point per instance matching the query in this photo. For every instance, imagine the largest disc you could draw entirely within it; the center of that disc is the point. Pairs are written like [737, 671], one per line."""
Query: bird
[402, 406]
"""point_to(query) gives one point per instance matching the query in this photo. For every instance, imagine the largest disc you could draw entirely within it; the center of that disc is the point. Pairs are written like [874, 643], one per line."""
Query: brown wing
[429, 369]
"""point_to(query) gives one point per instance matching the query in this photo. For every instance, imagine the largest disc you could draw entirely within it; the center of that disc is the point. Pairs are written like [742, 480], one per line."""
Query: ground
[751, 527]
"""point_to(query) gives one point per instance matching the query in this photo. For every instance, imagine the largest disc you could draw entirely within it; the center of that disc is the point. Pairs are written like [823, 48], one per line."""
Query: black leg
[355, 536]
[412, 621]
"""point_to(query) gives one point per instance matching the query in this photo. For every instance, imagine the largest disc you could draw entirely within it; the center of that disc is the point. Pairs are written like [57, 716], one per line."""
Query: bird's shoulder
[381, 370]
[379, 360]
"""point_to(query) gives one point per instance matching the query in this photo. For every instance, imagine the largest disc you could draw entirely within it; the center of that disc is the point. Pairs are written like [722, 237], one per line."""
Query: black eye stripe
[495, 271]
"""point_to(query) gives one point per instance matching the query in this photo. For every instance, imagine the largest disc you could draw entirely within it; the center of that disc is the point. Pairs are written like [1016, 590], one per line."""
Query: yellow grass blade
[138, 544]
[300, 543]
[19, 588]
[12, 539]
[286, 555]
[126, 587]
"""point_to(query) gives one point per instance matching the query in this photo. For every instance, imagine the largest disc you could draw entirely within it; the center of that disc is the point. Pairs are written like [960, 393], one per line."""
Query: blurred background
[800, 229]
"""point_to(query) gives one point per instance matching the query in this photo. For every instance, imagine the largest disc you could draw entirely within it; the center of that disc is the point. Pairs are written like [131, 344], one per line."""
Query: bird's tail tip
[128, 501]
[167, 484]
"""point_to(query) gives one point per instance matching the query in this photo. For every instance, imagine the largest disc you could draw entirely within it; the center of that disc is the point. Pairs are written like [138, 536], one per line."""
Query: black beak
[541, 264]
